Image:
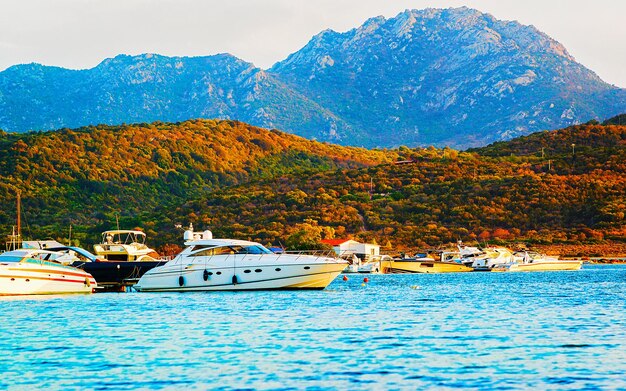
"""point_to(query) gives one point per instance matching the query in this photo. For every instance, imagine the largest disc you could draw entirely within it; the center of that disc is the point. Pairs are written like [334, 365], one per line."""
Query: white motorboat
[125, 246]
[492, 258]
[40, 272]
[208, 264]
[371, 265]
[533, 261]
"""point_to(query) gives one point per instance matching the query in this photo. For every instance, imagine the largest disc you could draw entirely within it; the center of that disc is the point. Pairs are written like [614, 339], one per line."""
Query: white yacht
[533, 261]
[125, 246]
[208, 264]
[38, 272]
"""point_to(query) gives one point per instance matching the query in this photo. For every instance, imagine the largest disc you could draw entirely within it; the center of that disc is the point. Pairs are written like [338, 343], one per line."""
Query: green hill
[85, 177]
[250, 183]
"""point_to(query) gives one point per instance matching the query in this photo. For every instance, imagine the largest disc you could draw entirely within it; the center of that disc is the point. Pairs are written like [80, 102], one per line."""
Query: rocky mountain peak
[452, 76]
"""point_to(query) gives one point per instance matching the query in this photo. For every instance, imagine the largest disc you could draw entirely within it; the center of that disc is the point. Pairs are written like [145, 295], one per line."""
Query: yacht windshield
[227, 250]
[13, 256]
[257, 249]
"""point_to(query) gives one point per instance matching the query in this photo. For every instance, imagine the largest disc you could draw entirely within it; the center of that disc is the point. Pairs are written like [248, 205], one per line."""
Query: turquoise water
[550, 330]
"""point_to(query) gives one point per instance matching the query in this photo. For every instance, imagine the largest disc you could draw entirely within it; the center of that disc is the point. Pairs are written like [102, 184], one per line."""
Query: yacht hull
[546, 266]
[247, 277]
[113, 275]
[398, 267]
[28, 279]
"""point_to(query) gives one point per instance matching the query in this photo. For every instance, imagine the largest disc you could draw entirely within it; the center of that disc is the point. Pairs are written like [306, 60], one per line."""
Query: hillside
[455, 77]
[245, 182]
[86, 176]
[443, 196]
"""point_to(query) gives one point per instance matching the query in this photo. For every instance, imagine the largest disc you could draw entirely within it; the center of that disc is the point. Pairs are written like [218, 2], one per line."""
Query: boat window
[223, 251]
[203, 253]
[257, 250]
[9, 258]
[238, 250]
[200, 247]
[15, 253]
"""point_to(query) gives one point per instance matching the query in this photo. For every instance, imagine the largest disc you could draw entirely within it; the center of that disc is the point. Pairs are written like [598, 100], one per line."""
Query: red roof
[334, 242]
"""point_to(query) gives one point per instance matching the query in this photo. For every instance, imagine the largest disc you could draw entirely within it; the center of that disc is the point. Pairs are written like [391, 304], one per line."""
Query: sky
[79, 34]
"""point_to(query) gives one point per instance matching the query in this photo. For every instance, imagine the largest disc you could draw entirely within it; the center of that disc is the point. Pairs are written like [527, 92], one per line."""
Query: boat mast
[19, 212]
[15, 239]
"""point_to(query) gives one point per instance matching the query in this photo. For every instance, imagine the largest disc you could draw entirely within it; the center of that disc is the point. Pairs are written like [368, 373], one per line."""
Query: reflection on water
[472, 330]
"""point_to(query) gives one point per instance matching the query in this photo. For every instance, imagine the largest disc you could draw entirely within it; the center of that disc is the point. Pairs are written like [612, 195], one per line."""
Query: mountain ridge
[454, 76]
[433, 79]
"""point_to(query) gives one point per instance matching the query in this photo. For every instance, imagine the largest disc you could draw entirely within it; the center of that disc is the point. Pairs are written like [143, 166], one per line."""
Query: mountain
[454, 77]
[450, 77]
[245, 182]
[150, 87]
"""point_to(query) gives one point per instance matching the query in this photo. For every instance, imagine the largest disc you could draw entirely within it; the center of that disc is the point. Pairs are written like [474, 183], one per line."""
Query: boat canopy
[122, 236]
[77, 250]
[20, 254]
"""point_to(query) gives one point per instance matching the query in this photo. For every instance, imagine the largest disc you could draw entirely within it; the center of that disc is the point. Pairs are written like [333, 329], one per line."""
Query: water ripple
[498, 331]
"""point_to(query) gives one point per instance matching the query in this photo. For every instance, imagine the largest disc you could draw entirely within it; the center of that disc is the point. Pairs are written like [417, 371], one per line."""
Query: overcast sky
[81, 33]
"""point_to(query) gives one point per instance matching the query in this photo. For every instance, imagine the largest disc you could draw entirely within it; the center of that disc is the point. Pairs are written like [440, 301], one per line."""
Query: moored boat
[208, 264]
[40, 272]
[120, 259]
[492, 258]
[533, 261]
[124, 245]
[424, 264]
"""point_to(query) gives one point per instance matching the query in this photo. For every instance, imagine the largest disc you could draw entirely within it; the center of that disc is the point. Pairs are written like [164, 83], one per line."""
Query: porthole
[278, 269]
[218, 273]
[247, 271]
[258, 270]
[307, 267]
[210, 273]
[12, 279]
[27, 280]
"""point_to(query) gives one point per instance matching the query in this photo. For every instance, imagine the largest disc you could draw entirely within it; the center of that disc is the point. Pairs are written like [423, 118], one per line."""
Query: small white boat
[125, 246]
[370, 265]
[533, 261]
[208, 264]
[493, 258]
[41, 272]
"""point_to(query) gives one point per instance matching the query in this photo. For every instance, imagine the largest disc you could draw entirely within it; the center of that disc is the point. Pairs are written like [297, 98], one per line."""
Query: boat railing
[315, 253]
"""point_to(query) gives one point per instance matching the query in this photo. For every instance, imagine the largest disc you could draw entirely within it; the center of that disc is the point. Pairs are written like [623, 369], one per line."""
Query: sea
[483, 331]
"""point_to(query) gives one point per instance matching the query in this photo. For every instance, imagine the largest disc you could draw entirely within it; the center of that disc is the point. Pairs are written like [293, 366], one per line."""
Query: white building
[348, 247]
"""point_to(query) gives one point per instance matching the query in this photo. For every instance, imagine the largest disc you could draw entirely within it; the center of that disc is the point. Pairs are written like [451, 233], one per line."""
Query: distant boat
[120, 260]
[126, 246]
[208, 264]
[40, 272]
[369, 265]
[423, 264]
[491, 258]
[533, 261]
